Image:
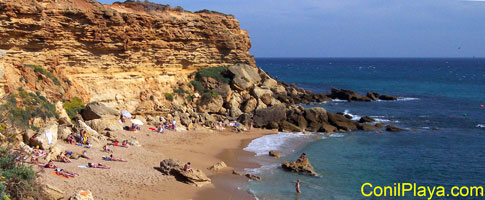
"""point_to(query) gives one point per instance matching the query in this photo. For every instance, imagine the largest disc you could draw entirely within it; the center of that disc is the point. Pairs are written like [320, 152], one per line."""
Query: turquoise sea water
[444, 94]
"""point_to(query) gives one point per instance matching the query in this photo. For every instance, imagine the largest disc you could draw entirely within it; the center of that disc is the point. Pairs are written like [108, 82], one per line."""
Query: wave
[407, 99]
[480, 126]
[354, 117]
[339, 100]
[337, 135]
[279, 141]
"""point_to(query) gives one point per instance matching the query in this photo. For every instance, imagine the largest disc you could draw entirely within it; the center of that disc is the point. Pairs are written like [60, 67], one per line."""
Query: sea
[441, 104]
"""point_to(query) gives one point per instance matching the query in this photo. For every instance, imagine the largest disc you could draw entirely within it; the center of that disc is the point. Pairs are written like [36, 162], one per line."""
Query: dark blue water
[444, 94]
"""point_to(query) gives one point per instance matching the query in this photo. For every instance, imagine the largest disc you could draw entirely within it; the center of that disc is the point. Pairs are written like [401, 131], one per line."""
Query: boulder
[316, 114]
[327, 128]
[366, 119]
[301, 122]
[341, 122]
[218, 166]
[347, 95]
[65, 121]
[314, 127]
[97, 110]
[275, 154]
[63, 132]
[279, 90]
[267, 99]
[270, 83]
[270, 115]
[387, 98]
[394, 129]
[259, 92]
[224, 90]
[261, 105]
[176, 168]
[250, 176]
[301, 165]
[82, 195]
[367, 127]
[373, 96]
[87, 128]
[213, 105]
[101, 125]
[286, 126]
[235, 112]
[134, 143]
[250, 105]
[46, 138]
[244, 119]
[244, 76]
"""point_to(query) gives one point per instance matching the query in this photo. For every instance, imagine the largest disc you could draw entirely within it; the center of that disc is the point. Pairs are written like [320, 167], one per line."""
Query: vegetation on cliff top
[73, 107]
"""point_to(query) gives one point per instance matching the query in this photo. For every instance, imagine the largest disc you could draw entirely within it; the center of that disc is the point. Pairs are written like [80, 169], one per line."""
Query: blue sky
[355, 28]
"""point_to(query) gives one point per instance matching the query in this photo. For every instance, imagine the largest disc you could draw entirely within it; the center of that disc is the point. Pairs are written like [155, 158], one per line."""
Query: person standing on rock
[298, 186]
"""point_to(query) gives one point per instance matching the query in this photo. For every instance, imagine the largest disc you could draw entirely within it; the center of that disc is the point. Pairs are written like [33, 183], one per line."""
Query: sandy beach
[138, 178]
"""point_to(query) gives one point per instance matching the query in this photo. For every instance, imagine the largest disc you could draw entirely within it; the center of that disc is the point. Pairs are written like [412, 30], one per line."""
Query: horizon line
[360, 57]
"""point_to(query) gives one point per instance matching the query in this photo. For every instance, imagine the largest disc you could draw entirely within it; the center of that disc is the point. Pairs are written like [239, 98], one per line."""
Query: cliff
[120, 54]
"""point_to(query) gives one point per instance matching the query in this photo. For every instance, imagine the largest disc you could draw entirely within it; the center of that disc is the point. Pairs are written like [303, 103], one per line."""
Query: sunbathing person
[107, 149]
[111, 158]
[71, 139]
[98, 165]
[62, 158]
[77, 155]
[187, 167]
[125, 144]
[50, 164]
[160, 129]
[62, 172]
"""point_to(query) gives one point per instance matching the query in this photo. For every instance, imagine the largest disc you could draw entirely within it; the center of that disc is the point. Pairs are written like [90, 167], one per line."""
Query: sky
[355, 28]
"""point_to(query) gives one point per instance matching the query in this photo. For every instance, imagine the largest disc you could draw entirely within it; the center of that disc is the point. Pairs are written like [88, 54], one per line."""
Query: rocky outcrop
[97, 110]
[301, 165]
[275, 154]
[218, 166]
[353, 96]
[176, 168]
[366, 119]
[244, 76]
[249, 176]
[82, 195]
[394, 129]
[46, 138]
[268, 117]
[341, 122]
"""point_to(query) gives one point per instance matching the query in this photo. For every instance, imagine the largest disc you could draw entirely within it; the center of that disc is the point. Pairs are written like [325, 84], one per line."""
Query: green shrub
[31, 105]
[17, 180]
[198, 86]
[169, 96]
[73, 107]
[48, 74]
[180, 91]
[213, 72]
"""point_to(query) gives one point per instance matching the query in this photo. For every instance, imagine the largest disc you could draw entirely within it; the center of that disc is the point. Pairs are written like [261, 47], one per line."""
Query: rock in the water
[250, 176]
[176, 168]
[365, 119]
[275, 154]
[387, 98]
[341, 122]
[218, 166]
[373, 96]
[302, 165]
[82, 195]
[245, 76]
[327, 128]
[347, 95]
[394, 129]
[97, 110]
[367, 127]
[46, 138]
[271, 115]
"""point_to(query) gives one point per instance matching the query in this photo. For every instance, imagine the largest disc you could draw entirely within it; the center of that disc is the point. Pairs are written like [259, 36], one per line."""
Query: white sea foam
[262, 145]
[407, 99]
[480, 126]
[339, 100]
[380, 119]
[354, 117]
[262, 169]
[336, 135]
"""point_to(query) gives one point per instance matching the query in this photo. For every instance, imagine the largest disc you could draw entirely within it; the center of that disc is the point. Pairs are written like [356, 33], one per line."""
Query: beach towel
[48, 135]
[126, 114]
[54, 173]
[153, 129]
[82, 166]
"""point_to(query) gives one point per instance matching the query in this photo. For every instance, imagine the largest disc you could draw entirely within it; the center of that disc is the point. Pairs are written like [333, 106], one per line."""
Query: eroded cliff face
[120, 54]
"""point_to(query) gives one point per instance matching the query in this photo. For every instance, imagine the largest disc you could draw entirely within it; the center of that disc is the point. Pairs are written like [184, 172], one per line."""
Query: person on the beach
[107, 149]
[125, 144]
[50, 164]
[162, 120]
[111, 158]
[63, 172]
[71, 139]
[250, 124]
[298, 186]
[302, 156]
[174, 123]
[63, 158]
[76, 156]
[160, 128]
[220, 126]
[187, 167]
[98, 165]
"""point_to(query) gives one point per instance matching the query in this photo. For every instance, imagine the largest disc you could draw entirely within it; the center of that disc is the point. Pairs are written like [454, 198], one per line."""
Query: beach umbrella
[137, 122]
[126, 113]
